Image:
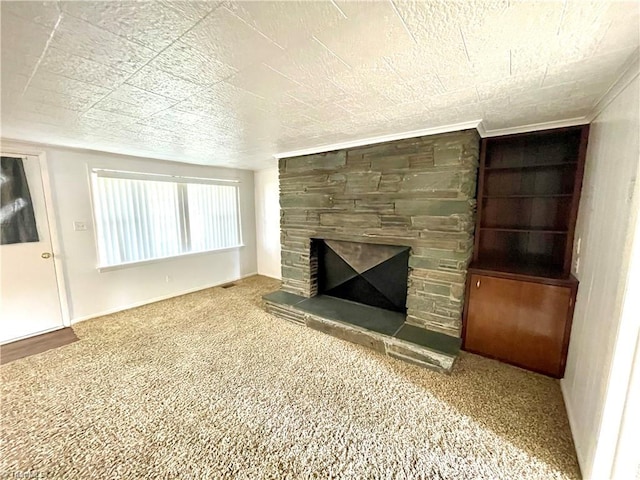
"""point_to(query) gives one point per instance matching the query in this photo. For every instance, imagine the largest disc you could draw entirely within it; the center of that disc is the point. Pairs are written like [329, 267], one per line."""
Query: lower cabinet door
[519, 322]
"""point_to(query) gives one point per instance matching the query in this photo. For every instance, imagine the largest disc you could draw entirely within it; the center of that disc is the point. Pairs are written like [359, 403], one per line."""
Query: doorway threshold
[10, 352]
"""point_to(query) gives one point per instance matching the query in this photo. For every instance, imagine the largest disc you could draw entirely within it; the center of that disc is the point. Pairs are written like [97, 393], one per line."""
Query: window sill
[109, 268]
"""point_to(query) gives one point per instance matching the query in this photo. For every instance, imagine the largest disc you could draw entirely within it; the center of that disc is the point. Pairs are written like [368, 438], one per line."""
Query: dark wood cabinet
[522, 322]
[520, 291]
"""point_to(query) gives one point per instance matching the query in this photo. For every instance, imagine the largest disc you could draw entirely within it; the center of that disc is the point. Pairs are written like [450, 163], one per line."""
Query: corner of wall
[267, 218]
[591, 387]
[627, 74]
[568, 405]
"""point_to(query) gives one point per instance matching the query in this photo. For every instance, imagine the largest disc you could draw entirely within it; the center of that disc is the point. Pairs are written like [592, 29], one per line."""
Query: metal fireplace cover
[367, 273]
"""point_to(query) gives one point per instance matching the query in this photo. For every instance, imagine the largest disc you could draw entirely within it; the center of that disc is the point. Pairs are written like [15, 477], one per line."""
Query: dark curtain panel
[16, 210]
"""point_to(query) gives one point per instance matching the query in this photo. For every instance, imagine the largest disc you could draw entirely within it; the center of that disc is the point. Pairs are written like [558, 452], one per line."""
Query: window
[144, 217]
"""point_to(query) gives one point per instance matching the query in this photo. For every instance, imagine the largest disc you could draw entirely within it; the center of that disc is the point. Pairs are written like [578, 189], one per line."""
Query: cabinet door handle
[478, 284]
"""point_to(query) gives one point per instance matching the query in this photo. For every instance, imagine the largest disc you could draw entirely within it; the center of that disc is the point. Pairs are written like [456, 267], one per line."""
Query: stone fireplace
[408, 202]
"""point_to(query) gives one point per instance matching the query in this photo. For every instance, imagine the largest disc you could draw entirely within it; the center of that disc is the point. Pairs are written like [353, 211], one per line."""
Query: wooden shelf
[542, 195]
[532, 167]
[528, 189]
[525, 230]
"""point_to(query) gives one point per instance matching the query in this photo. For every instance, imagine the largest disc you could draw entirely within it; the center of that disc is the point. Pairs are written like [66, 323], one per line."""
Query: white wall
[268, 222]
[602, 337]
[91, 293]
[627, 460]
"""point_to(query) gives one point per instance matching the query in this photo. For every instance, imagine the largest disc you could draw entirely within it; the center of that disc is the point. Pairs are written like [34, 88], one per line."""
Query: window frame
[181, 182]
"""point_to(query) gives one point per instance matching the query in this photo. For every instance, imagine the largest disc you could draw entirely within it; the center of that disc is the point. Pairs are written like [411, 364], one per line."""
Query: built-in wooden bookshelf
[528, 194]
[520, 291]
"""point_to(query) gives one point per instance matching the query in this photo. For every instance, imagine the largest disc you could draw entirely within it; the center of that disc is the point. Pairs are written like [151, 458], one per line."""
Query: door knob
[46, 255]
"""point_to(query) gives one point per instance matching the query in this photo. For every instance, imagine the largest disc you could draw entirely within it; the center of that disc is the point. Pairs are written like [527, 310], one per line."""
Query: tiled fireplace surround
[417, 192]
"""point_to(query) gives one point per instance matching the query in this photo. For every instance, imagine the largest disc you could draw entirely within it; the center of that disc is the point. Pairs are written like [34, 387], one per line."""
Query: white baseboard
[269, 276]
[157, 299]
[572, 424]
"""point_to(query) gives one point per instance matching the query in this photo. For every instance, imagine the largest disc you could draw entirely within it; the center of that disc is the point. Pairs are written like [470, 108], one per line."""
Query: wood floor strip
[38, 344]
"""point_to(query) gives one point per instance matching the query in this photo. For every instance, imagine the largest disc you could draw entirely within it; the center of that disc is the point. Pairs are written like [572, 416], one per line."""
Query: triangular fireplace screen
[364, 272]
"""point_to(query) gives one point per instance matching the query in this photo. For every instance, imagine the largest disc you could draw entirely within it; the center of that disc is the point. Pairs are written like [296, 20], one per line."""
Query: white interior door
[30, 302]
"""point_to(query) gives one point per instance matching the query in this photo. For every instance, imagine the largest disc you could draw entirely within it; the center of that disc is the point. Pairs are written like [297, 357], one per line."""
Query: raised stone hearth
[417, 194]
[379, 329]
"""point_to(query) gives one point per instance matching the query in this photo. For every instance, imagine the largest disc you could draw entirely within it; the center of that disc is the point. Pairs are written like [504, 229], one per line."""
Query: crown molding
[481, 130]
[456, 127]
[627, 75]
[534, 127]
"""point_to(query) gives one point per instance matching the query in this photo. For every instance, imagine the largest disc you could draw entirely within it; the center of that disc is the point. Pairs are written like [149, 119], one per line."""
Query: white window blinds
[144, 217]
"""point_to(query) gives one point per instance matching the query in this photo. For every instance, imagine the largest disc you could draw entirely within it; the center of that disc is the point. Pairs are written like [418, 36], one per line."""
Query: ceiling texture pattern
[233, 83]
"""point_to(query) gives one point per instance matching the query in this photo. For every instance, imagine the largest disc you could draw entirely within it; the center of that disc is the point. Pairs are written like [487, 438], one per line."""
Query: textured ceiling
[232, 83]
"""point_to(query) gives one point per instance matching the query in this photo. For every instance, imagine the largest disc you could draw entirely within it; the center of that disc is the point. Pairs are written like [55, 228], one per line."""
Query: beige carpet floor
[208, 385]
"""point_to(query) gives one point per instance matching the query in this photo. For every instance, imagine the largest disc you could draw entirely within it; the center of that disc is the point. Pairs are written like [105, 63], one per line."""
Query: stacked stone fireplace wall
[418, 192]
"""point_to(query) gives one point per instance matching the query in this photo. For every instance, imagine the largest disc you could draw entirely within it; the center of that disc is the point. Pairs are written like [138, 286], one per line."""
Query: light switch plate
[79, 226]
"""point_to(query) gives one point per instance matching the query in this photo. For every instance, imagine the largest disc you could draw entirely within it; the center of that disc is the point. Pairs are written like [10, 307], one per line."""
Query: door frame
[9, 148]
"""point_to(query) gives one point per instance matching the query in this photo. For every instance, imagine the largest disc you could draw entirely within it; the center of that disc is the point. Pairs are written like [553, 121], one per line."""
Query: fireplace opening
[366, 273]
